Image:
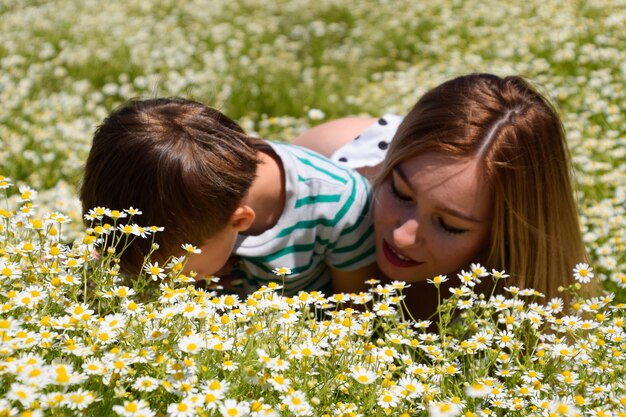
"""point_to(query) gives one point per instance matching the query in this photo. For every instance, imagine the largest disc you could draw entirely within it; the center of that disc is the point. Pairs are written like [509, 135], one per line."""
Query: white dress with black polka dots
[370, 147]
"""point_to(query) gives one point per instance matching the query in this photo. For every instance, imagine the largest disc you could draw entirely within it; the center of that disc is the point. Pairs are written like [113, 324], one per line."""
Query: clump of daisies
[79, 338]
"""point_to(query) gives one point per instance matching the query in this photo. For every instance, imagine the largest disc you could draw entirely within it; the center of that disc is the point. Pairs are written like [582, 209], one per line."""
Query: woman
[478, 170]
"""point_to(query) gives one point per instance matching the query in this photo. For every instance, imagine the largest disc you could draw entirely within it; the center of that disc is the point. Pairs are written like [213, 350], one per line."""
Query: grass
[65, 64]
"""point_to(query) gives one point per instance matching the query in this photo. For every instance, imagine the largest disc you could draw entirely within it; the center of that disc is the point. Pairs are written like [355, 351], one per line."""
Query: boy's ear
[242, 218]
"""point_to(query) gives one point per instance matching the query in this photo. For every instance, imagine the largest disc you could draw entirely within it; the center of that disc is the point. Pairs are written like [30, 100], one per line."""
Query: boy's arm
[352, 281]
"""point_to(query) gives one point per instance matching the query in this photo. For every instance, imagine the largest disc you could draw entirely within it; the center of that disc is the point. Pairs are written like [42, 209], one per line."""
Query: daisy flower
[478, 270]
[10, 270]
[438, 280]
[258, 409]
[387, 399]
[304, 350]
[232, 408]
[362, 375]
[25, 394]
[79, 400]
[506, 372]
[154, 271]
[400, 285]
[80, 312]
[52, 399]
[531, 376]
[5, 182]
[191, 344]
[282, 271]
[443, 409]
[465, 304]
[189, 248]
[27, 193]
[461, 291]
[113, 322]
[482, 339]
[135, 408]
[116, 214]
[131, 308]
[477, 390]
[468, 278]
[183, 408]
[146, 384]
[278, 364]
[280, 383]
[229, 365]
[383, 309]
[568, 378]
[131, 229]
[410, 387]
[69, 280]
[555, 305]
[505, 338]
[499, 274]
[123, 291]
[297, 403]
[583, 273]
[315, 114]
[213, 391]
[133, 211]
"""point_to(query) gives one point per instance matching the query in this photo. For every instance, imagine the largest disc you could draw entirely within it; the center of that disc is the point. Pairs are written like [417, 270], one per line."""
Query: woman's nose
[405, 234]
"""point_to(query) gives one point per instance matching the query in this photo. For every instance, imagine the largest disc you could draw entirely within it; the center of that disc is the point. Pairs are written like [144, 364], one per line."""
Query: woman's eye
[450, 229]
[400, 196]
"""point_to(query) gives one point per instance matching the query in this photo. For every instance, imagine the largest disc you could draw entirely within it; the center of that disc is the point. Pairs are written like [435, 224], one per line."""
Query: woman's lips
[396, 258]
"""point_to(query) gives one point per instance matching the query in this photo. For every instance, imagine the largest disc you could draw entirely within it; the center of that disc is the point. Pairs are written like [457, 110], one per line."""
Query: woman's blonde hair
[515, 131]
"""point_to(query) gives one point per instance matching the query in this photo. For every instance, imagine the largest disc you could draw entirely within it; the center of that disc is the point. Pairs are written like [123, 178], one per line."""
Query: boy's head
[186, 166]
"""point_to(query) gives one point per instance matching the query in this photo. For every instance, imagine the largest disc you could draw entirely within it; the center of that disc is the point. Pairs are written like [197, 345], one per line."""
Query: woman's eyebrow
[459, 214]
[449, 210]
[398, 171]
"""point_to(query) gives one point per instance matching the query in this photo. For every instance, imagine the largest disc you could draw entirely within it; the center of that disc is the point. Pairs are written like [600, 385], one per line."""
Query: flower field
[78, 339]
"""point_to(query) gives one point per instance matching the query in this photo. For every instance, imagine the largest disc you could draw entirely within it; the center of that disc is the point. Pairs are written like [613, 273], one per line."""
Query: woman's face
[432, 216]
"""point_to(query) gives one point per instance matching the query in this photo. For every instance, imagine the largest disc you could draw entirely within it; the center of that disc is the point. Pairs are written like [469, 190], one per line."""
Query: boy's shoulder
[310, 165]
[319, 190]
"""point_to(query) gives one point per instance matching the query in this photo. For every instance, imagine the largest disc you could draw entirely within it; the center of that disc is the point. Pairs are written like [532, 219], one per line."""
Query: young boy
[192, 170]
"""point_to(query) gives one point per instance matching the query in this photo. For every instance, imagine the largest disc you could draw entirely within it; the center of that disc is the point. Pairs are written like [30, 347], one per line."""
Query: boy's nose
[405, 234]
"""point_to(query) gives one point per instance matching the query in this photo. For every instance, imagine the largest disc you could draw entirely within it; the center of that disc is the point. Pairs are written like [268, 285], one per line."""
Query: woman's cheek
[381, 210]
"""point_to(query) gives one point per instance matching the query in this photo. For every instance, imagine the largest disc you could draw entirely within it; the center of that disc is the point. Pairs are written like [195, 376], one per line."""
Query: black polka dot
[357, 137]
[343, 159]
[382, 121]
[383, 145]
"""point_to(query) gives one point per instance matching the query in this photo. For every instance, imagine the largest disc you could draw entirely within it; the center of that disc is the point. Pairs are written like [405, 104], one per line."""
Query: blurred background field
[279, 67]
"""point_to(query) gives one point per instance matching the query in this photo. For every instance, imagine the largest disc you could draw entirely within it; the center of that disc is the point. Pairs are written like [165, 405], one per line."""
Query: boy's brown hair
[185, 165]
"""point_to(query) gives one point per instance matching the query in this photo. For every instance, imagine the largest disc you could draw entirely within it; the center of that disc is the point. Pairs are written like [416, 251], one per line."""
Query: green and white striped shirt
[326, 221]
